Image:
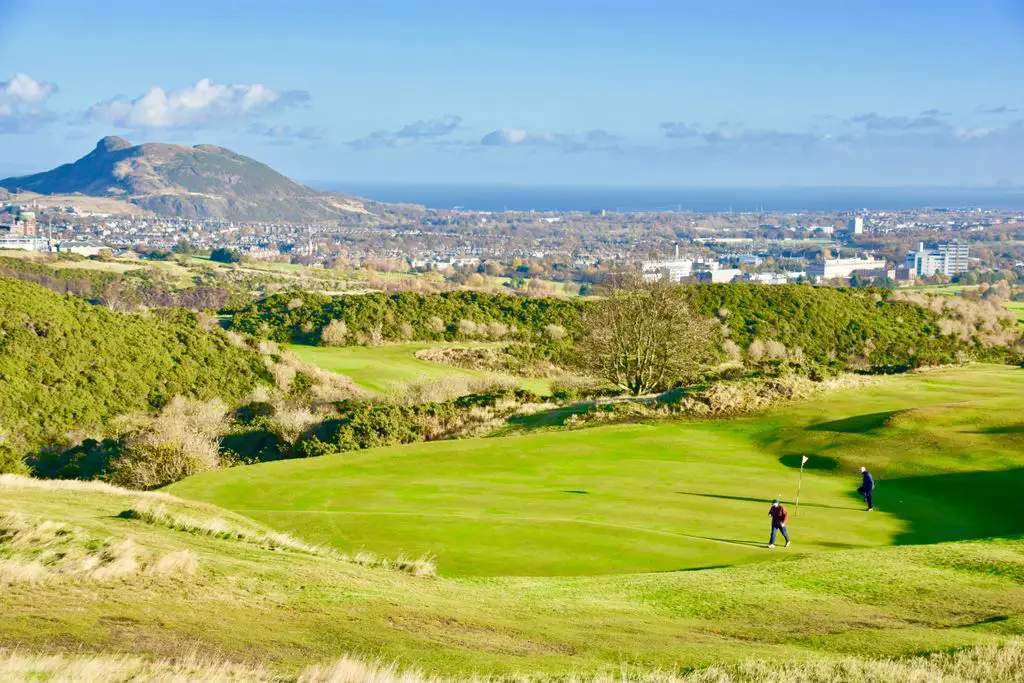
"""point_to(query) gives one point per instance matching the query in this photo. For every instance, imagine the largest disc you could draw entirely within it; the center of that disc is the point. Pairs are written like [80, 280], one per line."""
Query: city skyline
[704, 95]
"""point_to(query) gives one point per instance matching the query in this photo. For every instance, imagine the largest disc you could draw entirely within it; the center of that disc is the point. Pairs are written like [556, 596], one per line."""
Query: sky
[681, 93]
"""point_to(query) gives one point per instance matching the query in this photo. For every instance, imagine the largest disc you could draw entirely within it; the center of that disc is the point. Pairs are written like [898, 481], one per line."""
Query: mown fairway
[381, 368]
[946, 447]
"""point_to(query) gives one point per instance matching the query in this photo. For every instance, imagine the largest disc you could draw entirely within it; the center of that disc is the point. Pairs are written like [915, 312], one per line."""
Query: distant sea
[522, 198]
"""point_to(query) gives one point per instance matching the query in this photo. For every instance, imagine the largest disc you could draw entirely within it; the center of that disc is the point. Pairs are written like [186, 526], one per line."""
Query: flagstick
[799, 484]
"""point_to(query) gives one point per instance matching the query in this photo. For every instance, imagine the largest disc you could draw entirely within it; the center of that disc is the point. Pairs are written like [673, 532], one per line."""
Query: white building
[843, 267]
[718, 275]
[673, 271]
[948, 258]
[22, 243]
[79, 247]
[855, 226]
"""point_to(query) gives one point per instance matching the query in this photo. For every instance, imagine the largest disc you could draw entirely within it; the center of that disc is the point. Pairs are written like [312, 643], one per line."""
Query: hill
[67, 364]
[204, 181]
[906, 580]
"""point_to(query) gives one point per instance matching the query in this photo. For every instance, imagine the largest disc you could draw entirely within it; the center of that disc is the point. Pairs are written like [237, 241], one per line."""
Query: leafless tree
[644, 337]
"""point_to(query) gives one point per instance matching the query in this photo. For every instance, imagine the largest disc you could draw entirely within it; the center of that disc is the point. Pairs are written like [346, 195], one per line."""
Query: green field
[645, 516]
[382, 368]
[1017, 308]
[947, 448]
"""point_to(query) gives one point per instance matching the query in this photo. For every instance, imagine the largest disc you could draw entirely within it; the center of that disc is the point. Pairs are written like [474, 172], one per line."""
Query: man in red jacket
[779, 515]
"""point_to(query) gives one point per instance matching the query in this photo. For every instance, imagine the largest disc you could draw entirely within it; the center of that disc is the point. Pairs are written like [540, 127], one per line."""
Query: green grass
[1017, 308]
[381, 368]
[947, 448]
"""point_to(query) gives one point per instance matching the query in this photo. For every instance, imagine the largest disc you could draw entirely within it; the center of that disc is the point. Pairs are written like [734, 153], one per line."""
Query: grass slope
[286, 609]
[947, 448]
[381, 368]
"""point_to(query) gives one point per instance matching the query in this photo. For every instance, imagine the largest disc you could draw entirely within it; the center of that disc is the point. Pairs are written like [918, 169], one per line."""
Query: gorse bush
[66, 364]
[394, 317]
[810, 329]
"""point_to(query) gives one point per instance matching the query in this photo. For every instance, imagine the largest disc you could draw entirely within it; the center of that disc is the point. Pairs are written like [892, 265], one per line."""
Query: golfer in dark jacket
[779, 515]
[867, 487]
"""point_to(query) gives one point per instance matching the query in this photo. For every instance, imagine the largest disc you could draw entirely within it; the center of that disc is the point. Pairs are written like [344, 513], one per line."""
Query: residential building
[855, 226]
[947, 258]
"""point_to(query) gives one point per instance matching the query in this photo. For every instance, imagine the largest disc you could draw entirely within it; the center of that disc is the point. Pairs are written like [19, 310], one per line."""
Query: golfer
[867, 487]
[779, 515]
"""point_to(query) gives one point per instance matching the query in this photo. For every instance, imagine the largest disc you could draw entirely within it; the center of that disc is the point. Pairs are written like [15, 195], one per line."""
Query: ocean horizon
[700, 200]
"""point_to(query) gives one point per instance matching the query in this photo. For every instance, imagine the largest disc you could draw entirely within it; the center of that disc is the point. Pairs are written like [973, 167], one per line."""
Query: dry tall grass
[182, 440]
[982, 664]
[34, 551]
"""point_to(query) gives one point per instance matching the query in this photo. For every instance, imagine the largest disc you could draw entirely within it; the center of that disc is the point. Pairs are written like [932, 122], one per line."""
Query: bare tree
[644, 337]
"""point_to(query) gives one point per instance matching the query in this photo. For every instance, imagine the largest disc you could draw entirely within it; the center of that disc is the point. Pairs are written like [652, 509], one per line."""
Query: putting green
[380, 368]
[946, 447]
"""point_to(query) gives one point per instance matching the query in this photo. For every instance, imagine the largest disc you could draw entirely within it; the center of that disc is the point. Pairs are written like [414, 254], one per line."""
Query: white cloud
[204, 105]
[23, 104]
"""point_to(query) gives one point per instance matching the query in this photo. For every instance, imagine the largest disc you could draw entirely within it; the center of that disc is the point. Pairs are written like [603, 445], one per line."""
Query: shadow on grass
[547, 418]
[955, 507]
[734, 541]
[1004, 429]
[693, 569]
[821, 463]
[858, 424]
[765, 501]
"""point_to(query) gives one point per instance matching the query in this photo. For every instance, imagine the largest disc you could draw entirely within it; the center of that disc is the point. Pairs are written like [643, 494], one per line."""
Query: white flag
[804, 461]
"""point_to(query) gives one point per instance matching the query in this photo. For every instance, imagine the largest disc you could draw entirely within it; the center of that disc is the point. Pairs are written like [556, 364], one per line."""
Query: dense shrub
[429, 317]
[808, 329]
[68, 364]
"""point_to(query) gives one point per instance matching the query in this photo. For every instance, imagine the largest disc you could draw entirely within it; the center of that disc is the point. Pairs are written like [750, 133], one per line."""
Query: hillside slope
[67, 364]
[204, 181]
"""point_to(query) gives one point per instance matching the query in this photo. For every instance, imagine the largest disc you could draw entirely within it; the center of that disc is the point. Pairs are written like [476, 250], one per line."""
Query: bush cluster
[66, 364]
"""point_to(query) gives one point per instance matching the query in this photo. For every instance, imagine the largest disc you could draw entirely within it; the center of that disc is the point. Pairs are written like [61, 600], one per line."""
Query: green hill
[940, 565]
[66, 364]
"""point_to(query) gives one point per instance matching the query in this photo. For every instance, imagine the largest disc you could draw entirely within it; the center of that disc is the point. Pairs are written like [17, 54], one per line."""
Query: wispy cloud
[203, 105]
[594, 139]
[410, 134]
[1002, 109]
[729, 134]
[877, 122]
[23, 104]
[287, 135]
[678, 130]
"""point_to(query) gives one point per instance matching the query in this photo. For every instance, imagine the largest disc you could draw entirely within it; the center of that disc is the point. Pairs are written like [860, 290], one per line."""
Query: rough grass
[982, 664]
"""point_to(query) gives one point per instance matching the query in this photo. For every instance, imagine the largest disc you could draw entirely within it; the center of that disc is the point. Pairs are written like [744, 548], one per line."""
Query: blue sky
[722, 93]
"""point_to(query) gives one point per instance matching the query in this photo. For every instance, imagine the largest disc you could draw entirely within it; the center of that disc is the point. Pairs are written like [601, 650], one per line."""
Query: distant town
[882, 248]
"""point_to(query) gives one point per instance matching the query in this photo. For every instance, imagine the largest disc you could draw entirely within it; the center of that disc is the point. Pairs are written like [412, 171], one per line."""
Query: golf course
[386, 367]
[946, 448]
[560, 552]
